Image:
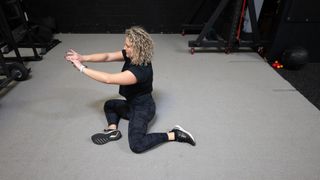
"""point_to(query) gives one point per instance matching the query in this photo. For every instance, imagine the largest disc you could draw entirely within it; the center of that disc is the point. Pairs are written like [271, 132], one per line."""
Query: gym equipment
[21, 32]
[295, 57]
[234, 41]
[276, 64]
[12, 34]
[12, 68]
[297, 24]
[12, 71]
[189, 25]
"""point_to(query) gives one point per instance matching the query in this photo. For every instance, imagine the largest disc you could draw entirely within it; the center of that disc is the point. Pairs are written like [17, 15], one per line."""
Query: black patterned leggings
[139, 112]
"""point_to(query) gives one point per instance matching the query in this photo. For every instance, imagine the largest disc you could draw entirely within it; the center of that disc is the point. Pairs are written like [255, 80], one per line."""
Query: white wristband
[82, 68]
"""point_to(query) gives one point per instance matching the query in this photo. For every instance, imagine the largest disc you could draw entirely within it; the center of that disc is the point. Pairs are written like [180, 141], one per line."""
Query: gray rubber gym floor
[249, 123]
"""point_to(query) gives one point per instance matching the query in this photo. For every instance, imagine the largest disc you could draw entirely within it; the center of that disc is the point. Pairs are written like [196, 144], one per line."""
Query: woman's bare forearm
[99, 57]
[103, 57]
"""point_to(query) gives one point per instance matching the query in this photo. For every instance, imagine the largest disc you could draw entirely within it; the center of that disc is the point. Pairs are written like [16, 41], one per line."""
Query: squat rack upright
[233, 43]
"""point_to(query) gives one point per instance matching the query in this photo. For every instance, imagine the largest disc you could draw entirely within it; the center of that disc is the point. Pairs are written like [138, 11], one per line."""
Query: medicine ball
[294, 57]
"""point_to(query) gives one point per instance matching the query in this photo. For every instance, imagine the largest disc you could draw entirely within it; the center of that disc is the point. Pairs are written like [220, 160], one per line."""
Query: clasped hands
[75, 58]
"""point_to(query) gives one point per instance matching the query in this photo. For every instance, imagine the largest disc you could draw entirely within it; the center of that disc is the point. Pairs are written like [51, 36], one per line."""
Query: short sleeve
[140, 72]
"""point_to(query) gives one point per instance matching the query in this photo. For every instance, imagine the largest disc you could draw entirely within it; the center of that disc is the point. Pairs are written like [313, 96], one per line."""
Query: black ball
[294, 57]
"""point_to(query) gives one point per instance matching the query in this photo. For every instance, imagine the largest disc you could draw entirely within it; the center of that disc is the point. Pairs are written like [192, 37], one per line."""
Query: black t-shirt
[144, 75]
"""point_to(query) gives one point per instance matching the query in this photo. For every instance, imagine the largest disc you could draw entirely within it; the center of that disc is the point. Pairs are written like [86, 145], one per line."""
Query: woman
[135, 82]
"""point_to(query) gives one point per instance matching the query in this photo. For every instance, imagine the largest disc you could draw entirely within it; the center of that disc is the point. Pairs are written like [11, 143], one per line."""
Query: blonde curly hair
[142, 45]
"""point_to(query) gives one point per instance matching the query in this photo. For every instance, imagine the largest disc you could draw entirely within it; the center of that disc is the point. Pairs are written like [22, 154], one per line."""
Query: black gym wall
[299, 25]
[105, 16]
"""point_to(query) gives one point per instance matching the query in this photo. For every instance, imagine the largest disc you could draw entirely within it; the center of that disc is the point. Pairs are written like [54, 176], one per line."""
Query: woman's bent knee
[137, 147]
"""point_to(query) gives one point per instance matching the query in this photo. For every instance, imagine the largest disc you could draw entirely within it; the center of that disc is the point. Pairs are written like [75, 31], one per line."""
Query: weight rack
[234, 41]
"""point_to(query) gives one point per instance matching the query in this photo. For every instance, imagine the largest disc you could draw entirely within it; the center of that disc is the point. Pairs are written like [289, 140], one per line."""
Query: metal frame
[188, 25]
[14, 42]
[9, 39]
[232, 44]
[4, 81]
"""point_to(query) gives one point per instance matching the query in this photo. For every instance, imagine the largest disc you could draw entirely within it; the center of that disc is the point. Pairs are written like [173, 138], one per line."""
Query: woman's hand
[73, 55]
[77, 64]
[75, 59]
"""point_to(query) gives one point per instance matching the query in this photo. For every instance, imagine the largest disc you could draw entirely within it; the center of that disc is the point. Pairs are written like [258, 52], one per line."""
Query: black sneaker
[182, 135]
[109, 135]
